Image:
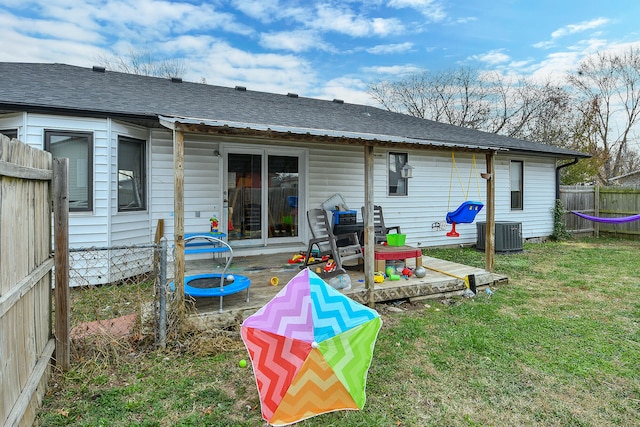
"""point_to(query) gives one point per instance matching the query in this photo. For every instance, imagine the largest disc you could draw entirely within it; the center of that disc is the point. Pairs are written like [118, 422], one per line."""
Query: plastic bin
[344, 217]
[396, 239]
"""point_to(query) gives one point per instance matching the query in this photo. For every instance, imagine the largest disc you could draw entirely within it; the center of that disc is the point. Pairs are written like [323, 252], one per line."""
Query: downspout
[558, 175]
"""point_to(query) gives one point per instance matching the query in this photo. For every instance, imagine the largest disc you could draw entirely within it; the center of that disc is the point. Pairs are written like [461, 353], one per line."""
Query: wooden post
[369, 238]
[490, 236]
[596, 209]
[178, 218]
[61, 257]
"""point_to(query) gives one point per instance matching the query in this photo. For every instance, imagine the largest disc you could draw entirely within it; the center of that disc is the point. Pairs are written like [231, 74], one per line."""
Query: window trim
[520, 205]
[143, 168]
[399, 174]
[48, 133]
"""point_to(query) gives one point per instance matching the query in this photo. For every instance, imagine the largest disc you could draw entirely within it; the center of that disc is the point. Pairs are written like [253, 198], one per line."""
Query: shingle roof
[32, 86]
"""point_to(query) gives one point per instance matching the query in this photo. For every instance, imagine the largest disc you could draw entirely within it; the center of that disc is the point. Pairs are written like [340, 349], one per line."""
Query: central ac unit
[508, 237]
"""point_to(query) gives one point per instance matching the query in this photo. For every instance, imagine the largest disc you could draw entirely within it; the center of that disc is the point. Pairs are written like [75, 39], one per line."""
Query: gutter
[573, 162]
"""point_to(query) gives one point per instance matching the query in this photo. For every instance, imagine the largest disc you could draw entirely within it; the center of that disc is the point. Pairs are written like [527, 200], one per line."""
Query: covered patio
[444, 279]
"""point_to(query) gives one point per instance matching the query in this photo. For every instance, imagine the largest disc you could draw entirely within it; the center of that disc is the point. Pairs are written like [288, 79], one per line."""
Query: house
[258, 161]
[631, 179]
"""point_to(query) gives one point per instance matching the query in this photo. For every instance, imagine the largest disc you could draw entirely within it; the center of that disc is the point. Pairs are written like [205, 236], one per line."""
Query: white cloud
[571, 29]
[577, 28]
[295, 41]
[345, 21]
[384, 49]
[225, 65]
[396, 70]
[492, 57]
[348, 89]
[432, 9]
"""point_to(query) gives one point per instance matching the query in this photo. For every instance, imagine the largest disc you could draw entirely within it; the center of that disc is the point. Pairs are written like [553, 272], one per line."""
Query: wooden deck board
[436, 284]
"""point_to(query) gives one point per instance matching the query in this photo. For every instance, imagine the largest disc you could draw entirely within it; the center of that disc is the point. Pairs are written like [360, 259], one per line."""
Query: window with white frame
[78, 148]
[132, 194]
[398, 186]
[516, 179]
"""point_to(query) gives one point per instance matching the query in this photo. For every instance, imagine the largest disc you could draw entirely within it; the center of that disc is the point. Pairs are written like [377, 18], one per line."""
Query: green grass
[558, 346]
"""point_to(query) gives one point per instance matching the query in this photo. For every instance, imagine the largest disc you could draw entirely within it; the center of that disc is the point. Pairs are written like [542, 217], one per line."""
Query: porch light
[406, 171]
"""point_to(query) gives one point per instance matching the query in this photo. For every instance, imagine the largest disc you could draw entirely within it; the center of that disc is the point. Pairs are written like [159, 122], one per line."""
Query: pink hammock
[608, 220]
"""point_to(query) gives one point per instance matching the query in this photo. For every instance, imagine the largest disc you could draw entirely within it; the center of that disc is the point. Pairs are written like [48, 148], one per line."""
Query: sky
[323, 49]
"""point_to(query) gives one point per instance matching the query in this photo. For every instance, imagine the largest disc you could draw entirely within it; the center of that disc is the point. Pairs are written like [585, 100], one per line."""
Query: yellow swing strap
[465, 279]
[475, 172]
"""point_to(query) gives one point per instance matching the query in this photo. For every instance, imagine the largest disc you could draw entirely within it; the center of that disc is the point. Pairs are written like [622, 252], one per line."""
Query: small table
[199, 246]
[382, 253]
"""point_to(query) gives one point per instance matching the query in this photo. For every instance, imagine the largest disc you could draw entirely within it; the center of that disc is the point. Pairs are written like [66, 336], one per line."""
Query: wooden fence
[605, 202]
[26, 341]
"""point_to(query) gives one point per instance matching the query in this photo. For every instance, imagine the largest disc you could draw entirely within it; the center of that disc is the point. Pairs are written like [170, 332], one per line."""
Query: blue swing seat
[466, 213]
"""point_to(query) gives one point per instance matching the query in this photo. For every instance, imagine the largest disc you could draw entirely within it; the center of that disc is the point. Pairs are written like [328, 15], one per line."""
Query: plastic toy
[407, 272]
[420, 272]
[242, 363]
[274, 281]
[378, 277]
[330, 266]
[394, 277]
[295, 259]
[214, 224]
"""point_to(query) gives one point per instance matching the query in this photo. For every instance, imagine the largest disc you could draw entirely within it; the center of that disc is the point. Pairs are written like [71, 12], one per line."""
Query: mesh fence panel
[116, 296]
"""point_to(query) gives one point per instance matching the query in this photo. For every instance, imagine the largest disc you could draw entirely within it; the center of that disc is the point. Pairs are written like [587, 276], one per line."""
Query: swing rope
[465, 192]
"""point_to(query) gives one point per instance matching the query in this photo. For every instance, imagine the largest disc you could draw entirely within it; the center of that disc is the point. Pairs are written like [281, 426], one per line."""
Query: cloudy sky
[326, 49]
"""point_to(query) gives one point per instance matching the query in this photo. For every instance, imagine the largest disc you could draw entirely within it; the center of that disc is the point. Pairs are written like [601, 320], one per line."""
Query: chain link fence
[118, 298]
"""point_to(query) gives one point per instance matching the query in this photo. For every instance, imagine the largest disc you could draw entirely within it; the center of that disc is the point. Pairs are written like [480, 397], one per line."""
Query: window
[516, 180]
[10, 133]
[78, 148]
[398, 186]
[132, 193]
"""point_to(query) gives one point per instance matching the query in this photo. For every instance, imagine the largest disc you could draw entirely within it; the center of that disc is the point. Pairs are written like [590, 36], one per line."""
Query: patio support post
[178, 218]
[369, 237]
[490, 236]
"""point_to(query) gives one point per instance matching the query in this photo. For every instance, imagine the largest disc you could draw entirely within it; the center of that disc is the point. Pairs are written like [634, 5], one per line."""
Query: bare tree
[607, 88]
[486, 101]
[144, 62]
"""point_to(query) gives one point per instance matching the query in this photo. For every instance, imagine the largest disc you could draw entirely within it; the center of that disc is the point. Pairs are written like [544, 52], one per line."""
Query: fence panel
[618, 202]
[605, 202]
[26, 342]
[579, 198]
[118, 294]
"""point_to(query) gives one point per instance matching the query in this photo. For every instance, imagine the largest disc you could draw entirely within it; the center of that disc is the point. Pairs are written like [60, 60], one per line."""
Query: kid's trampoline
[208, 285]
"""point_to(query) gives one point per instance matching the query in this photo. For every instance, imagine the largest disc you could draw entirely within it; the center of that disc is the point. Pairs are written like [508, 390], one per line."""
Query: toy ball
[242, 363]
[230, 278]
[420, 272]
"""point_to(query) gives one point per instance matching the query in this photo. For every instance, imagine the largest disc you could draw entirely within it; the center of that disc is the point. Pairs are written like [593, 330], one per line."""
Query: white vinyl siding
[327, 169]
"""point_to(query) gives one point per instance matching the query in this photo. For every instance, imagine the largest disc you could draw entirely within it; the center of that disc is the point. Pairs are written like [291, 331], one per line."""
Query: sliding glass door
[263, 195]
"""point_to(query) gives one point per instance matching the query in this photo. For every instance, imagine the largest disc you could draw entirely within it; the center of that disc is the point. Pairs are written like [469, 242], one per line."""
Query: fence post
[596, 208]
[161, 289]
[61, 256]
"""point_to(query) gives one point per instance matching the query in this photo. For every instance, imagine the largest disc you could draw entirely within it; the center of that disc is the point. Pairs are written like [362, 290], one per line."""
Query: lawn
[558, 346]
